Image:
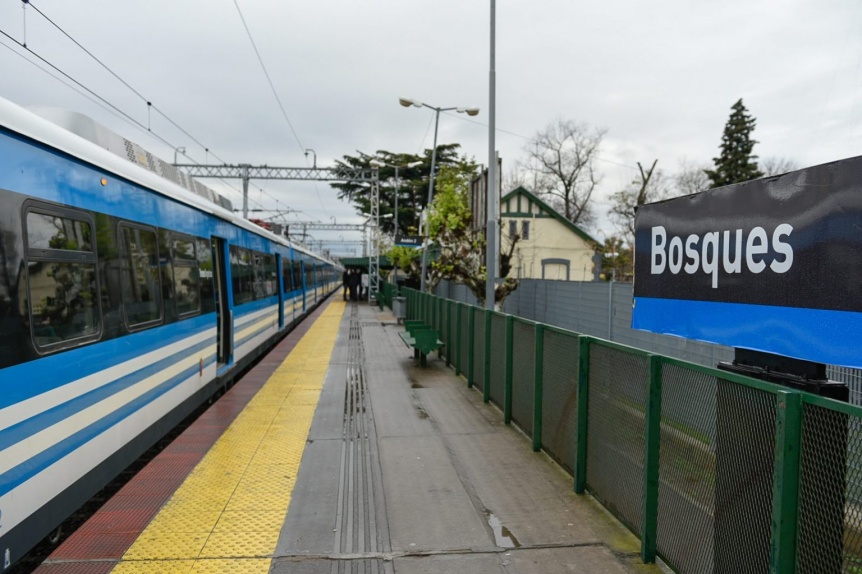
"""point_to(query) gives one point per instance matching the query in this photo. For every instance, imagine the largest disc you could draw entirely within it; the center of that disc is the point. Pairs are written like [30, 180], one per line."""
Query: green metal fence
[714, 472]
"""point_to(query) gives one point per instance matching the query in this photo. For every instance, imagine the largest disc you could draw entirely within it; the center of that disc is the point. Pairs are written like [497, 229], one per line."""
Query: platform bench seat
[422, 338]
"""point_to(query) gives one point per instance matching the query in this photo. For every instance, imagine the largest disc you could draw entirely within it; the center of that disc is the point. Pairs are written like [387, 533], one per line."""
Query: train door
[224, 341]
[280, 282]
[304, 285]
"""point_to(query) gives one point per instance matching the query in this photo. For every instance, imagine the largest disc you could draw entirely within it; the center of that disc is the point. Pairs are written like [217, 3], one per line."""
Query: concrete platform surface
[406, 471]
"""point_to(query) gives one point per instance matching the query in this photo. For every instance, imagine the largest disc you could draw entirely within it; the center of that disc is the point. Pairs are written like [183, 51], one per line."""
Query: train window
[62, 300]
[187, 283]
[205, 266]
[184, 248]
[141, 283]
[297, 275]
[52, 231]
[287, 275]
[269, 276]
[242, 275]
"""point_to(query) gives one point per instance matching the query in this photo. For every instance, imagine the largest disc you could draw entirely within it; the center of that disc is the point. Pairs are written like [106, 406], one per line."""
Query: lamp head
[376, 163]
[407, 102]
[469, 111]
[413, 164]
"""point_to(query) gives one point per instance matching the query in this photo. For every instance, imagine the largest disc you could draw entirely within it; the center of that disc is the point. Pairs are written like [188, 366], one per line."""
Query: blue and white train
[126, 300]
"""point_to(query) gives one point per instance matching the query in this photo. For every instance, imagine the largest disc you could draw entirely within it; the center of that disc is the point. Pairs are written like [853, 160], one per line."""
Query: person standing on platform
[345, 281]
[363, 291]
[354, 284]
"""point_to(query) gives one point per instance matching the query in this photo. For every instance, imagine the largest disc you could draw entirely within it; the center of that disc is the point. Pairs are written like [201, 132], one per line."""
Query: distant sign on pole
[408, 240]
[770, 265]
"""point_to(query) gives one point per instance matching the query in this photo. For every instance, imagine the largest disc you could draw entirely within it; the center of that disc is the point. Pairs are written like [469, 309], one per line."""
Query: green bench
[422, 338]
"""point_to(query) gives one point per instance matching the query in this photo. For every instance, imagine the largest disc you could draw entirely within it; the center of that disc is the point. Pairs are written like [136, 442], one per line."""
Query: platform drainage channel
[361, 519]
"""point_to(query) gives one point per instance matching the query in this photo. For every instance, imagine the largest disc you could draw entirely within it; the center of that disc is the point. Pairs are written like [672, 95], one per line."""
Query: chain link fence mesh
[523, 374]
[717, 446]
[686, 499]
[498, 358]
[830, 492]
[560, 355]
[479, 348]
[616, 434]
[745, 460]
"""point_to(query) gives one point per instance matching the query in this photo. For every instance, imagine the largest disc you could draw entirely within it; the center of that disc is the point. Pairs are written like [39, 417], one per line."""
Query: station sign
[408, 240]
[773, 265]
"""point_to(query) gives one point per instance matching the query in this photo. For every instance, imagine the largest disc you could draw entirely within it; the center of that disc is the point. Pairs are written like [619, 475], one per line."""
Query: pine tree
[736, 163]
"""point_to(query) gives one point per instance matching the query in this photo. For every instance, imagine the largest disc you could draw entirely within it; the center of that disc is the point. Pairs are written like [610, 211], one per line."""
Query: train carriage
[126, 300]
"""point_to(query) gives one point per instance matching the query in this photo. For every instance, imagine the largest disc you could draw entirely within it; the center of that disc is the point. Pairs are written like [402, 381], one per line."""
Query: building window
[525, 230]
[513, 228]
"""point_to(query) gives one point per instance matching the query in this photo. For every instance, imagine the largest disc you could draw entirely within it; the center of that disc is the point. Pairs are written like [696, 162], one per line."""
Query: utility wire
[114, 109]
[121, 80]
[268, 78]
[96, 98]
[275, 94]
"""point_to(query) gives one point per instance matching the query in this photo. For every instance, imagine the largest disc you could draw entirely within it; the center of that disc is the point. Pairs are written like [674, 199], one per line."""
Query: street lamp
[378, 163]
[315, 156]
[407, 102]
[180, 149]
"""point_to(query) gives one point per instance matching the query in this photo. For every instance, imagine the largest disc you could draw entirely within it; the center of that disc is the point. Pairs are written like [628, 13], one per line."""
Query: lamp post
[378, 163]
[315, 156]
[407, 102]
[181, 150]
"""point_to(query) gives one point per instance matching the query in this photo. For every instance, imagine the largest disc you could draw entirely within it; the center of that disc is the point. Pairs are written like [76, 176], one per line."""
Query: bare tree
[515, 178]
[561, 162]
[691, 178]
[649, 187]
[773, 165]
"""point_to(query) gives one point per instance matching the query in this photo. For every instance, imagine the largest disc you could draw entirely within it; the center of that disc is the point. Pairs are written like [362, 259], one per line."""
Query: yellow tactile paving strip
[227, 515]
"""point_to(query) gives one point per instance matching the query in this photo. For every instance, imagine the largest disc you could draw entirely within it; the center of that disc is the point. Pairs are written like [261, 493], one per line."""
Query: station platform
[338, 453]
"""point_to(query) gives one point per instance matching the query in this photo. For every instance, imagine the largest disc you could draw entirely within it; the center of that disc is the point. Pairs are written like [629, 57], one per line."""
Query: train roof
[37, 128]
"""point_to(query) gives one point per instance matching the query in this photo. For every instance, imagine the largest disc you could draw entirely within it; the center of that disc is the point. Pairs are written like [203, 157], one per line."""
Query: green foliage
[411, 187]
[460, 252]
[736, 162]
[405, 258]
[617, 259]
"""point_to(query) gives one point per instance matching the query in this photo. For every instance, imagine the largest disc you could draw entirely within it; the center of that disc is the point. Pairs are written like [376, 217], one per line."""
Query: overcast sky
[659, 76]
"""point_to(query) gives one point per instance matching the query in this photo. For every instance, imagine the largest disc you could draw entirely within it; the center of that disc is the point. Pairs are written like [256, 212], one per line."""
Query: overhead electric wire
[111, 107]
[275, 94]
[268, 78]
[99, 100]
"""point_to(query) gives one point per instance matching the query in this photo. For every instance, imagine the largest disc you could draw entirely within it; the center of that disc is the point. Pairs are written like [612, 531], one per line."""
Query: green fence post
[438, 315]
[486, 388]
[442, 304]
[539, 373]
[447, 312]
[507, 388]
[785, 481]
[471, 349]
[458, 335]
[651, 461]
[583, 410]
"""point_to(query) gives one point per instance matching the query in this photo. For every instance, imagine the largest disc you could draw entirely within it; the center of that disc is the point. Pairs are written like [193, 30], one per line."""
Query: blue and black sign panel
[772, 265]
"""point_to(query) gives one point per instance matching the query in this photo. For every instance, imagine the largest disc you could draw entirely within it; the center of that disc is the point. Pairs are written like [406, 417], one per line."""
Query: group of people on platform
[355, 284]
